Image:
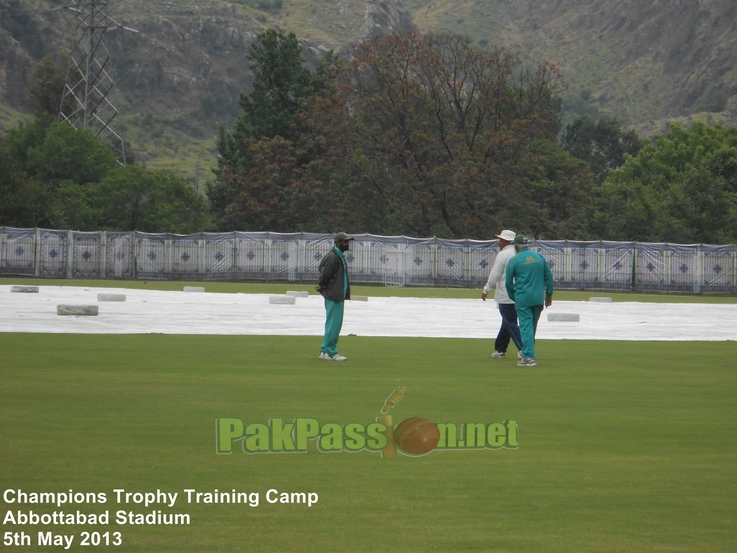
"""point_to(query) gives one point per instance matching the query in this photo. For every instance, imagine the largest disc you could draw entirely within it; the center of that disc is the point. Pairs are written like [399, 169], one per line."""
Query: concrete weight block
[77, 310]
[194, 288]
[24, 289]
[300, 294]
[110, 297]
[600, 300]
[359, 298]
[282, 300]
[564, 317]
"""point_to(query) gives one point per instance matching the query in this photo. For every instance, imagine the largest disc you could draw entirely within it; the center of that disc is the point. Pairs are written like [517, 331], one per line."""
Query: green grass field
[624, 446]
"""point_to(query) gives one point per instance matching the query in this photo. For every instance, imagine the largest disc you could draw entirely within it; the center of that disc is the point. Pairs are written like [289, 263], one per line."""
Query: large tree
[282, 85]
[447, 139]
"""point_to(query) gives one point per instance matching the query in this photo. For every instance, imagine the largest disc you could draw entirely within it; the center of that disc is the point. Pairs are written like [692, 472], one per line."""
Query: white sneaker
[498, 355]
[323, 355]
[527, 362]
[520, 356]
[335, 357]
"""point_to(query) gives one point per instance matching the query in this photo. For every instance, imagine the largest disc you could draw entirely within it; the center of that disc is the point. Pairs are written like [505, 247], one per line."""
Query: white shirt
[498, 276]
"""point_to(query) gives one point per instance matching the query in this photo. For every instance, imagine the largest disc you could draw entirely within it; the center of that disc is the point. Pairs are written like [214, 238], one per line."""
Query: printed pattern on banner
[419, 263]
[218, 255]
[86, 254]
[151, 255]
[450, 263]
[588, 265]
[388, 260]
[683, 268]
[387, 264]
[251, 261]
[651, 268]
[19, 252]
[185, 256]
[719, 269]
[584, 266]
[617, 267]
[119, 255]
[284, 259]
[52, 261]
[482, 259]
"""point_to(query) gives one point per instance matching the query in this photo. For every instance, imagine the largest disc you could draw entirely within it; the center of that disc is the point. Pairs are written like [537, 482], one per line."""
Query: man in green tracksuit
[335, 288]
[530, 285]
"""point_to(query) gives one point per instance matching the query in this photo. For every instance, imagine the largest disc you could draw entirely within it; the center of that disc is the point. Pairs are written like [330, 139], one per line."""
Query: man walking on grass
[530, 285]
[335, 288]
[497, 279]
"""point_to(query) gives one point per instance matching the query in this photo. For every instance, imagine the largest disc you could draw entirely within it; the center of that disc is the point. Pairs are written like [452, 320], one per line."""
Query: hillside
[646, 62]
[638, 60]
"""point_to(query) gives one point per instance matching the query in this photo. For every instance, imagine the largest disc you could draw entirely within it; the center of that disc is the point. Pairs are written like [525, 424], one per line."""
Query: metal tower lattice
[85, 103]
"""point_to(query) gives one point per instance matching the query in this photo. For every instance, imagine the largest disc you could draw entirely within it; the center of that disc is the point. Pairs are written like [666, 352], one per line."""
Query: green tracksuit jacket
[529, 280]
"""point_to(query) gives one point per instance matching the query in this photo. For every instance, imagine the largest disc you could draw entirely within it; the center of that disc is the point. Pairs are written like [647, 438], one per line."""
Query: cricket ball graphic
[417, 435]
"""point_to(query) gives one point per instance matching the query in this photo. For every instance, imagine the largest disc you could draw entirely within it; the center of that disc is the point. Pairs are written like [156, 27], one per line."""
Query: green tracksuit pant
[333, 324]
[528, 317]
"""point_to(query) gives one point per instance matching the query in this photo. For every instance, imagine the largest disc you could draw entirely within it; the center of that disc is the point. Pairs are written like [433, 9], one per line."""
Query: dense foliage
[420, 134]
[424, 135]
[681, 188]
[427, 135]
[52, 175]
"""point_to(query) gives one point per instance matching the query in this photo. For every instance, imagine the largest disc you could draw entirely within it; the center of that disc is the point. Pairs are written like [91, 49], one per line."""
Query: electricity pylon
[85, 103]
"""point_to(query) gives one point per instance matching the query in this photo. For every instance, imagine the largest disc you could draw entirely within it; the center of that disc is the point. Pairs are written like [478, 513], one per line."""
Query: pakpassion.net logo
[413, 437]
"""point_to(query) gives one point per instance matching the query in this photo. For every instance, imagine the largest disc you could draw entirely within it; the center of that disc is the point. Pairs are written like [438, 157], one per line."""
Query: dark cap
[520, 240]
[342, 236]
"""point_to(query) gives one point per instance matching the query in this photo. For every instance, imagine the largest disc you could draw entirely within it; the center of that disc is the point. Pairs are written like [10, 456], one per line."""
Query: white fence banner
[389, 260]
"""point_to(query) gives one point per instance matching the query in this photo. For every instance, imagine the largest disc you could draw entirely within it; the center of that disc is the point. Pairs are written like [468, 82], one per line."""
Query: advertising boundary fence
[388, 260]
